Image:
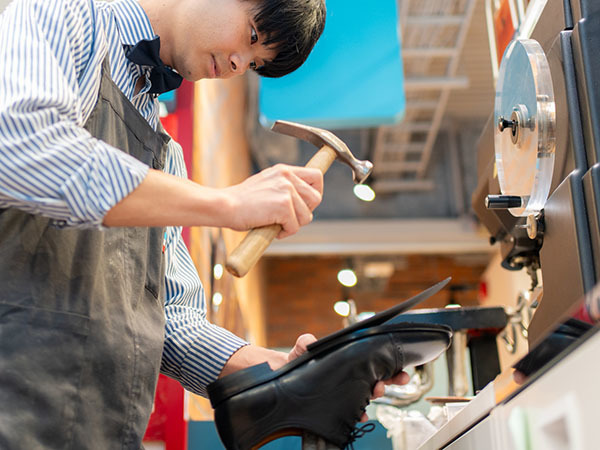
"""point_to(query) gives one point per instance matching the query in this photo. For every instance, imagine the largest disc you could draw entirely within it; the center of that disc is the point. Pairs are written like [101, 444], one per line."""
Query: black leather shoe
[325, 390]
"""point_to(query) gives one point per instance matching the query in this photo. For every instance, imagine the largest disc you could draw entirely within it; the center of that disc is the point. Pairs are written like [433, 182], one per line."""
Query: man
[89, 313]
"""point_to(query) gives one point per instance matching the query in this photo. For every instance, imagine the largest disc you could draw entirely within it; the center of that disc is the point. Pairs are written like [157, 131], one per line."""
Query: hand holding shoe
[322, 386]
[324, 389]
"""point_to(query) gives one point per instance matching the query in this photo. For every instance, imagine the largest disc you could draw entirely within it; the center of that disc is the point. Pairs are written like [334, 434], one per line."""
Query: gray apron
[81, 314]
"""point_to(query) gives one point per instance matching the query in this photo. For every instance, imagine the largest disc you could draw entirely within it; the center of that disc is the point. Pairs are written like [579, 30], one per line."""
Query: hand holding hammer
[249, 251]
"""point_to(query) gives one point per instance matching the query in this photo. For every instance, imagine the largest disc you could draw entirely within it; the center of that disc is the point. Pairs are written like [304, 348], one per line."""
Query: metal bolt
[503, 124]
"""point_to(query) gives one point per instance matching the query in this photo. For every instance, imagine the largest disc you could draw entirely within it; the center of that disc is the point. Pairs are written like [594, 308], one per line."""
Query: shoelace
[358, 433]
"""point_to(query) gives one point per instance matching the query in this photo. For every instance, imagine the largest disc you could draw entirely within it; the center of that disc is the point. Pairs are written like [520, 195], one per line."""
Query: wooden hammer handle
[249, 251]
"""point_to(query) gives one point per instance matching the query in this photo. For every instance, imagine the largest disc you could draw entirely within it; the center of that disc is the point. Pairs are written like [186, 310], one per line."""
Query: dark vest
[81, 313]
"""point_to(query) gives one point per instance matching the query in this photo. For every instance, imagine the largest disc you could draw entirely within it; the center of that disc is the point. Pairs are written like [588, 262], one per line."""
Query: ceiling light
[347, 277]
[218, 271]
[364, 192]
[342, 308]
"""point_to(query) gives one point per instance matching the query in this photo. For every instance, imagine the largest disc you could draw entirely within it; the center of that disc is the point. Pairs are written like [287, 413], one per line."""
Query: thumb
[301, 345]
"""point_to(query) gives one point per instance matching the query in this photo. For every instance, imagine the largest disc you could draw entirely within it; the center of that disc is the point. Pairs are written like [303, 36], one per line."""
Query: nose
[239, 63]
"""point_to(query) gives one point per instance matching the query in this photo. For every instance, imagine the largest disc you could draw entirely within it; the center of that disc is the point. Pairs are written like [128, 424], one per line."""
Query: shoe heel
[237, 382]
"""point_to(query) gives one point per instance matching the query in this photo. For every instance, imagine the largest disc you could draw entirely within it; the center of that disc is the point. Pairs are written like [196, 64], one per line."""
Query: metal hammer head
[319, 137]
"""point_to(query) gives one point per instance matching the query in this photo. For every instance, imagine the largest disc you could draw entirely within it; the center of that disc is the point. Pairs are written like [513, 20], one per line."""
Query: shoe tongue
[384, 316]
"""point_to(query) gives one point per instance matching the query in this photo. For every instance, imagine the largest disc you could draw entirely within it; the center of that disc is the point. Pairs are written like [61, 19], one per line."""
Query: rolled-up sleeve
[51, 165]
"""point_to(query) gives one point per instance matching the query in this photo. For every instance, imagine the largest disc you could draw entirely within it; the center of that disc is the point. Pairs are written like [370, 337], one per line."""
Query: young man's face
[216, 39]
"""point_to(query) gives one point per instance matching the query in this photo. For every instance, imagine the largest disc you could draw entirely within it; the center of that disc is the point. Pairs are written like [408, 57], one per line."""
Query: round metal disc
[525, 120]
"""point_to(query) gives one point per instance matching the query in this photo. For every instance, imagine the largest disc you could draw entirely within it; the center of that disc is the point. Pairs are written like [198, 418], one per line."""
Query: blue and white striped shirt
[52, 53]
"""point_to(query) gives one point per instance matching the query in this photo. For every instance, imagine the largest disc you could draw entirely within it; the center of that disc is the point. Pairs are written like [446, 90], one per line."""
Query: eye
[253, 36]
[254, 66]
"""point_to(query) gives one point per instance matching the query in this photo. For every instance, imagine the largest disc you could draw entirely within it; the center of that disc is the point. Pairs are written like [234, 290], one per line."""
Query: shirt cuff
[204, 358]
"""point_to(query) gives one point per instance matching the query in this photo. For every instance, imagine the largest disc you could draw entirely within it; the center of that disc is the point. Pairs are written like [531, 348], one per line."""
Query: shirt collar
[132, 21]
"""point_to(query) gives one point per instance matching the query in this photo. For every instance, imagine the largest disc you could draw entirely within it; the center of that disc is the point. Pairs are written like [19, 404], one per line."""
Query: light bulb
[218, 271]
[347, 277]
[364, 192]
[342, 308]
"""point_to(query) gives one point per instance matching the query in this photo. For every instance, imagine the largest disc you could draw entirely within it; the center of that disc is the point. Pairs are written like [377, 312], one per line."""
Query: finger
[378, 390]
[301, 198]
[299, 215]
[310, 196]
[290, 224]
[519, 377]
[289, 228]
[364, 418]
[291, 211]
[399, 378]
[301, 345]
[302, 209]
[304, 340]
[314, 177]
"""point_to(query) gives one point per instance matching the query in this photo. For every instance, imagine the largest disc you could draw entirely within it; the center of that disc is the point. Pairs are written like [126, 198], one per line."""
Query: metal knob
[503, 124]
[503, 201]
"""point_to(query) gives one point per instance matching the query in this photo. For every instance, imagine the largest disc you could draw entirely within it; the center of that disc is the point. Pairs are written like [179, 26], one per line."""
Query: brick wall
[300, 291]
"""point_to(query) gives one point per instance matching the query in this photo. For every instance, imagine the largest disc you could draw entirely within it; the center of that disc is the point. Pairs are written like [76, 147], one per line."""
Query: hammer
[245, 255]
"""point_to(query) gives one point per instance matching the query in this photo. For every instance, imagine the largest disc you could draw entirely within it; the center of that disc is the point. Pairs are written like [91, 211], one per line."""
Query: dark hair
[292, 28]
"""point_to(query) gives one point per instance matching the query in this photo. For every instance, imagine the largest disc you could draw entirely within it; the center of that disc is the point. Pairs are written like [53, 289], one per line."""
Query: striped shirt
[52, 53]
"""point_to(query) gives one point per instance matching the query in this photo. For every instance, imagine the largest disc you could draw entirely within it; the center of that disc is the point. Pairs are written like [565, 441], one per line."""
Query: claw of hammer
[249, 251]
[320, 138]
